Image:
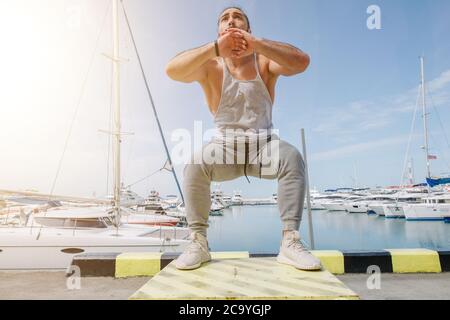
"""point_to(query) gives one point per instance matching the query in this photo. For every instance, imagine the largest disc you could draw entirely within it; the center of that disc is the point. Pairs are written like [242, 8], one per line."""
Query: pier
[242, 275]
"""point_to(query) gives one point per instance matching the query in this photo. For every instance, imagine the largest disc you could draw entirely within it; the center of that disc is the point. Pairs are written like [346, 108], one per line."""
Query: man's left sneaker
[292, 252]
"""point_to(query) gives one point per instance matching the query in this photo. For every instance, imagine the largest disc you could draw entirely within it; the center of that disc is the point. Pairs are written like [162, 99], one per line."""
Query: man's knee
[195, 170]
[291, 157]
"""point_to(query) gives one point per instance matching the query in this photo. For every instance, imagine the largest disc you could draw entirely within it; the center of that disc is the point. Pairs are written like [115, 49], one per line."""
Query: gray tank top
[245, 105]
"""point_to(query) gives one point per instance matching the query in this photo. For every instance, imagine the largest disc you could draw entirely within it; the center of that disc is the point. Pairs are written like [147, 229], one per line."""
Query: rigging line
[411, 131]
[83, 86]
[146, 177]
[444, 158]
[151, 100]
[439, 118]
[128, 161]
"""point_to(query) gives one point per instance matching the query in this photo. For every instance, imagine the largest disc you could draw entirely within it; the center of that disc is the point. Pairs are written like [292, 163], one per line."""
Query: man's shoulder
[213, 68]
[214, 63]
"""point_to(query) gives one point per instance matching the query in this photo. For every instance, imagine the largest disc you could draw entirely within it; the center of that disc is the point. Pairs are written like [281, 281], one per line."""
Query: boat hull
[353, 208]
[426, 212]
[393, 211]
[334, 206]
[24, 249]
[376, 209]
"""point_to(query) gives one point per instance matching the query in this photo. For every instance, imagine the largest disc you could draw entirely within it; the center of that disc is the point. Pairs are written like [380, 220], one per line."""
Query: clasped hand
[236, 43]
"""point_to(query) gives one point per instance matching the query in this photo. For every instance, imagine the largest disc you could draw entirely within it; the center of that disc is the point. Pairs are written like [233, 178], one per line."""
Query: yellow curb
[415, 261]
[332, 260]
[138, 264]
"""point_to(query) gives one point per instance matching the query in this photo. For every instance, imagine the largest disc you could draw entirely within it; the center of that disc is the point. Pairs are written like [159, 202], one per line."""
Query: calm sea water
[257, 229]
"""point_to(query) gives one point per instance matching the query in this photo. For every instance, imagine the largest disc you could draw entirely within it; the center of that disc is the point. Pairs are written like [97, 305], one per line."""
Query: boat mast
[169, 159]
[424, 111]
[116, 102]
[411, 172]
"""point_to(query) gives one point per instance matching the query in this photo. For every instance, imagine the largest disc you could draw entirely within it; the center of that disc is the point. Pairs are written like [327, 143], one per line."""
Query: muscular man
[238, 73]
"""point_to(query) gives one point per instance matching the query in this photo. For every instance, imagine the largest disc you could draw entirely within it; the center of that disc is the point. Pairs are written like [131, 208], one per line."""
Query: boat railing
[163, 233]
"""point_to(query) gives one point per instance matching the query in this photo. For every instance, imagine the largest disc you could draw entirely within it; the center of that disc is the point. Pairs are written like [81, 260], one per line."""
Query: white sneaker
[293, 252]
[195, 254]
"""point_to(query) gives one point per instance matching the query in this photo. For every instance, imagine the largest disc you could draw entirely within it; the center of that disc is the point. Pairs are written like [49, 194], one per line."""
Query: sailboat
[433, 207]
[49, 239]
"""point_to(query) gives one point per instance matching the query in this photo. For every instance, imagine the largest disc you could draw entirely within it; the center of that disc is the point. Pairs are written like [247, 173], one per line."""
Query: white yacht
[356, 206]
[362, 205]
[338, 204]
[170, 201]
[216, 208]
[148, 219]
[316, 205]
[435, 207]
[217, 199]
[378, 207]
[217, 203]
[260, 201]
[178, 212]
[49, 240]
[152, 204]
[128, 198]
[274, 199]
[318, 201]
[236, 199]
[396, 209]
[227, 201]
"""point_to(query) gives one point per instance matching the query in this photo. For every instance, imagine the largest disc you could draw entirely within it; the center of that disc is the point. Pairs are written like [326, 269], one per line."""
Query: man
[238, 73]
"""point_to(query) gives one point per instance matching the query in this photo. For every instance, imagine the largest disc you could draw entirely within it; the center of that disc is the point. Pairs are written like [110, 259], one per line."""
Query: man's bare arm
[285, 59]
[189, 66]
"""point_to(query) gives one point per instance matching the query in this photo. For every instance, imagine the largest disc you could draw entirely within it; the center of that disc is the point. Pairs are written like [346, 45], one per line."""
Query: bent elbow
[304, 62]
[174, 74]
[307, 61]
[170, 71]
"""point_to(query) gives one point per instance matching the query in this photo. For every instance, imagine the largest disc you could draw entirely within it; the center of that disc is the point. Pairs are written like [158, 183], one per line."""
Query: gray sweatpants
[276, 159]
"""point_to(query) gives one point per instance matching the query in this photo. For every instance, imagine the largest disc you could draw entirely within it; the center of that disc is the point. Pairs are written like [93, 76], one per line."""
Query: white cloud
[344, 123]
[358, 148]
[440, 82]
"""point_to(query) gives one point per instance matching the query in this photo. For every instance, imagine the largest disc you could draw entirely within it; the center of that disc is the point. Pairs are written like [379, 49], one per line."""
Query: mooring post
[308, 196]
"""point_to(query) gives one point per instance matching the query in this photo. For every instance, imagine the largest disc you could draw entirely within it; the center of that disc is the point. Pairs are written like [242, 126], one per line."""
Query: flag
[431, 157]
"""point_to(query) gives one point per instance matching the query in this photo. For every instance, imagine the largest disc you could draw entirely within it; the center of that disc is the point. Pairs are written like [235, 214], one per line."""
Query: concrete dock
[53, 285]
[397, 274]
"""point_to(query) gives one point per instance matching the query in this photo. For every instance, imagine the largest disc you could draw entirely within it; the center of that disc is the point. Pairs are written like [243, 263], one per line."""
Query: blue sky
[356, 100]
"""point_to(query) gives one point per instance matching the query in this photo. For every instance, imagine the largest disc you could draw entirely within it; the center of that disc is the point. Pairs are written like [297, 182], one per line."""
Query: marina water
[257, 229]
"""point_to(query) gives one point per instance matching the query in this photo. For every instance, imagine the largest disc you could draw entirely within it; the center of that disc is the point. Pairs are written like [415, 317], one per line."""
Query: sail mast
[411, 172]
[424, 111]
[169, 158]
[117, 126]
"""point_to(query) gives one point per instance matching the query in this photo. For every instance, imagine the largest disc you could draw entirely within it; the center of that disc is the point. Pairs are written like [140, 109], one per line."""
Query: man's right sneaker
[294, 253]
[195, 254]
